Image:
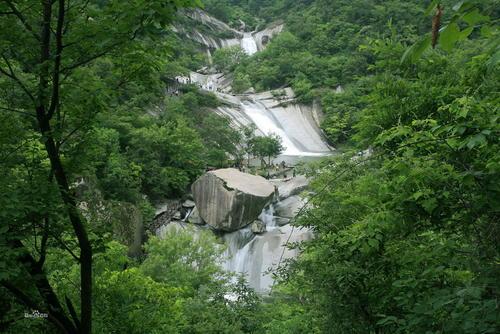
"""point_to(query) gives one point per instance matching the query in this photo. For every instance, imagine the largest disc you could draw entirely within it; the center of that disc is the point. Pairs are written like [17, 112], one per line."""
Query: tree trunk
[55, 310]
[44, 115]
[76, 222]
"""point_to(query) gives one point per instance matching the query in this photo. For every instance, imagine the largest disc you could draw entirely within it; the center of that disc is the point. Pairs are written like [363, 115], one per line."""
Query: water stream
[297, 141]
[248, 44]
[257, 256]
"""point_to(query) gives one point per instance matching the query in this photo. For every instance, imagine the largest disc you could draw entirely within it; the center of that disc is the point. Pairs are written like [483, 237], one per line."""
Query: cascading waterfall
[256, 256]
[268, 124]
[248, 44]
[267, 217]
[234, 254]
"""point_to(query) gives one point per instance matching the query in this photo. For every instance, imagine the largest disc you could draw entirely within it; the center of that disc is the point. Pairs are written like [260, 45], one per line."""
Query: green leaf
[429, 204]
[494, 60]
[475, 17]
[486, 31]
[417, 195]
[373, 243]
[462, 6]
[431, 7]
[458, 5]
[465, 33]
[477, 140]
[414, 52]
[449, 36]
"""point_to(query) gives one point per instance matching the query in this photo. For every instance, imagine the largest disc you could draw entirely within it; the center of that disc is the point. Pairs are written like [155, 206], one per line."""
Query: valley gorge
[257, 255]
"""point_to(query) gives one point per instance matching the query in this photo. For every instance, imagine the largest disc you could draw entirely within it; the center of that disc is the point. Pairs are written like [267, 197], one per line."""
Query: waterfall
[267, 217]
[256, 256]
[261, 255]
[234, 254]
[297, 134]
[248, 44]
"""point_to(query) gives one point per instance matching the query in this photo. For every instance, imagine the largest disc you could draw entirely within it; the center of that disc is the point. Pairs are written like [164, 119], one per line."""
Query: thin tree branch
[13, 76]
[21, 18]
[21, 296]
[66, 248]
[44, 59]
[106, 51]
[17, 111]
[91, 58]
[72, 311]
[57, 61]
[55, 311]
[43, 243]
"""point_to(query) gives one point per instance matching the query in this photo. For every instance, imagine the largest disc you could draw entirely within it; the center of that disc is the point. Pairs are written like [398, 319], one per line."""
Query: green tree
[403, 236]
[178, 288]
[48, 51]
[241, 83]
[267, 147]
[248, 136]
[226, 59]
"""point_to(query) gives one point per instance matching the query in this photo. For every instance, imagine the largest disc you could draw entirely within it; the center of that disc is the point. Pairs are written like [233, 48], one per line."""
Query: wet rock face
[265, 40]
[228, 199]
[194, 217]
[258, 227]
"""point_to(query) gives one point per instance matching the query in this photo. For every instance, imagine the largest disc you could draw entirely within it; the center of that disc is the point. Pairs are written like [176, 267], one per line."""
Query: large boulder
[228, 199]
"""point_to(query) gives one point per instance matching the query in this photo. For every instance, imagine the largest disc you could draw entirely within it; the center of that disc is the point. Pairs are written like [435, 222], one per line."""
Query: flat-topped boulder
[228, 199]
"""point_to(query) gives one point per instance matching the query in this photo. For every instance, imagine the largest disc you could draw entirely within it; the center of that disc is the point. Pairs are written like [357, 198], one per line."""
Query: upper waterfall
[214, 28]
[272, 113]
[248, 44]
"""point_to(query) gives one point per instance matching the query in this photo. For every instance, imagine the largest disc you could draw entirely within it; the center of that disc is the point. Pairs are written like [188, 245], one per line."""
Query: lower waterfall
[257, 256]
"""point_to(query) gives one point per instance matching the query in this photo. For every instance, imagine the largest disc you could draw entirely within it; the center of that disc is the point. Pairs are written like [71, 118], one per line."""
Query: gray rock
[188, 204]
[258, 227]
[177, 215]
[228, 199]
[281, 221]
[289, 207]
[194, 217]
[250, 90]
[291, 187]
[128, 227]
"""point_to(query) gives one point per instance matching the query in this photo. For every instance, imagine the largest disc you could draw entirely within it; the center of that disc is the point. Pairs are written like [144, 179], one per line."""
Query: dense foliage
[407, 233]
[328, 47]
[90, 140]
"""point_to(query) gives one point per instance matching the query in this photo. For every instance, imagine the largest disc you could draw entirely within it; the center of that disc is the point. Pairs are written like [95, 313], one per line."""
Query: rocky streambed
[251, 215]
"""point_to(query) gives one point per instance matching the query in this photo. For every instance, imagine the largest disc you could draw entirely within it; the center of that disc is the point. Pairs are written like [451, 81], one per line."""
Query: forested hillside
[102, 126]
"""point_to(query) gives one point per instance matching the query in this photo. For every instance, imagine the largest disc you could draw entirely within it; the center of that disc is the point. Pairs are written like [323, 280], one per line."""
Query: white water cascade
[257, 256]
[298, 136]
[248, 44]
